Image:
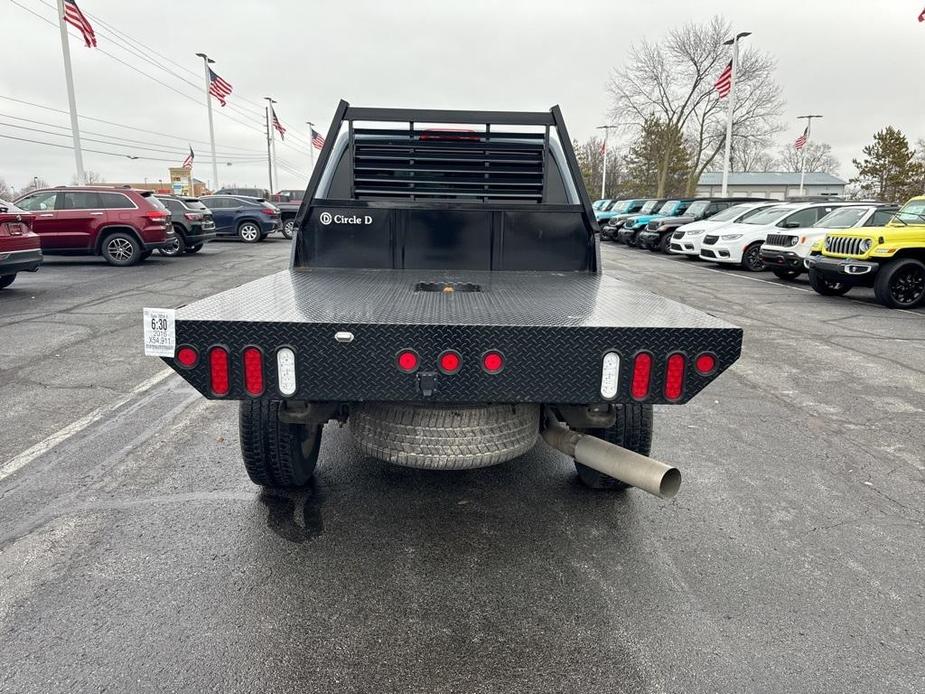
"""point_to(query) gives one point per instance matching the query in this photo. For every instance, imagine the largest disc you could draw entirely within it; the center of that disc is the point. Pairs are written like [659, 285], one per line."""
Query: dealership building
[779, 185]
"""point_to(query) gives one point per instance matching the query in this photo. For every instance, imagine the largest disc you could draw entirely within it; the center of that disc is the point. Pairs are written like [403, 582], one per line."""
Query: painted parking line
[727, 273]
[20, 461]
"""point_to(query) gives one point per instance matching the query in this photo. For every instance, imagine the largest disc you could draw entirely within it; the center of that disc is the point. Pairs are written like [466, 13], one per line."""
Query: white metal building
[774, 184]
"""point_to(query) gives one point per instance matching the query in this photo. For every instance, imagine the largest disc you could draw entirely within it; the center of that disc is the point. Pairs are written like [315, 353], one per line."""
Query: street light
[734, 42]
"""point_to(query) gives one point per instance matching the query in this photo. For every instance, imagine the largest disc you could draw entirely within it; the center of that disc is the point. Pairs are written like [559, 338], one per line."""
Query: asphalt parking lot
[136, 556]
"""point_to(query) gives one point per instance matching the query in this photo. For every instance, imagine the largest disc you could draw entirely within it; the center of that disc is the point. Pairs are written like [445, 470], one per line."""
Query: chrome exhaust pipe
[630, 467]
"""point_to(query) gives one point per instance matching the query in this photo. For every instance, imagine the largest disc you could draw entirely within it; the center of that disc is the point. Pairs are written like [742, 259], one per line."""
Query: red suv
[121, 224]
[19, 247]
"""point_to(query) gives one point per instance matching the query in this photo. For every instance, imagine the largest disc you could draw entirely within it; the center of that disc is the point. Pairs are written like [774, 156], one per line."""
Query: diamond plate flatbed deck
[552, 327]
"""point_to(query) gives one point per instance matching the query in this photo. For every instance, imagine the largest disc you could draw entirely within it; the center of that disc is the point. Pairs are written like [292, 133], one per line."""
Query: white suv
[687, 238]
[740, 243]
[784, 252]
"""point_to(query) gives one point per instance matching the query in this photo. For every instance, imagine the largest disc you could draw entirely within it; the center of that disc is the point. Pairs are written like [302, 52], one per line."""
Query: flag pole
[266, 110]
[311, 147]
[730, 107]
[71, 99]
[205, 62]
[606, 129]
[809, 125]
[270, 102]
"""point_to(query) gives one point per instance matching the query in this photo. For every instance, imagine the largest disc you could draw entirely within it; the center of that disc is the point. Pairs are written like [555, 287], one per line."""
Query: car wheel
[751, 258]
[289, 228]
[783, 274]
[632, 430]
[177, 247]
[901, 284]
[6, 280]
[827, 287]
[194, 249]
[121, 249]
[665, 244]
[249, 232]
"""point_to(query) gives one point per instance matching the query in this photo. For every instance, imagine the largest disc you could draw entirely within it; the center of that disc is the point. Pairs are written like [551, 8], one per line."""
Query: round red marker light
[449, 362]
[492, 362]
[187, 356]
[408, 361]
[705, 364]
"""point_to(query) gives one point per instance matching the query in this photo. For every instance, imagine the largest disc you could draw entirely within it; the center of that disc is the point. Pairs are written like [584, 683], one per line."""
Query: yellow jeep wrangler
[891, 259]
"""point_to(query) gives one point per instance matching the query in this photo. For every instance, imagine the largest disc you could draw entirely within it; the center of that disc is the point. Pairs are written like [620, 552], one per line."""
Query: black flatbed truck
[445, 300]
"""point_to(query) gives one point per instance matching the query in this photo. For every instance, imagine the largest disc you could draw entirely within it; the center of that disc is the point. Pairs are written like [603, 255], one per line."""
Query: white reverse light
[610, 375]
[285, 371]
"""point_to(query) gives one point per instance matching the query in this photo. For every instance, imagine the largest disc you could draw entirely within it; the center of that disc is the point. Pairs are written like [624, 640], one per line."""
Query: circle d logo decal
[325, 218]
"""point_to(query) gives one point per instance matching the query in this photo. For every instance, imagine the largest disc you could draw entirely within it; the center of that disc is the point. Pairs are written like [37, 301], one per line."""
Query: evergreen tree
[889, 170]
[658, 163]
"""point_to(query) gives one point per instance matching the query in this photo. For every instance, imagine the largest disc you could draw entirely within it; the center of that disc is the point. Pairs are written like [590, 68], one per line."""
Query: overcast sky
[858, 63]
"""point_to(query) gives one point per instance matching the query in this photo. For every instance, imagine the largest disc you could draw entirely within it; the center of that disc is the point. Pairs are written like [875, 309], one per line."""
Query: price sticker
[160, 332]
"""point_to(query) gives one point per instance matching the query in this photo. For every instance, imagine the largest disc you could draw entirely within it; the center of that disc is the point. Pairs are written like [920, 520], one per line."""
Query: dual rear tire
[631, 430]
[276, 454]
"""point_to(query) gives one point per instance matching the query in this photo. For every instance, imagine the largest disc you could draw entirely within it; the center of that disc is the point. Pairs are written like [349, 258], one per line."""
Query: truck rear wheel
[632, 430]
[276, 454]
[441, 437]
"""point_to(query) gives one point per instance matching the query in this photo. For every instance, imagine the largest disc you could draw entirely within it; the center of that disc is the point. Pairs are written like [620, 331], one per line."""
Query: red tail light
[158, 216]
[193, 216]
[253, 371]
[218, 370]
[642, 375]
[408, 361]
[187, 356]
[674, 377]
[492, 362]
[705, 364]
[269, 211]
[449, 362]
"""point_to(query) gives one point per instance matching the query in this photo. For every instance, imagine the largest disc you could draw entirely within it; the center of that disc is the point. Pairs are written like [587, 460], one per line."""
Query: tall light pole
[206, 61]
[730, 107]
[606, 129]
[71, 99]
[266, 111]
[809, 126]
[311, 144]
[270, 102]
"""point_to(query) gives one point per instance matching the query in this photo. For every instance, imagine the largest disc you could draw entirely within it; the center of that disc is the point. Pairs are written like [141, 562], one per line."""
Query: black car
[192, 222]
[657, 234]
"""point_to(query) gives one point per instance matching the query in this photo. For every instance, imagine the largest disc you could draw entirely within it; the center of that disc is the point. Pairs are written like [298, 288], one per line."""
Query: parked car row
[840, 244]
[122, 225]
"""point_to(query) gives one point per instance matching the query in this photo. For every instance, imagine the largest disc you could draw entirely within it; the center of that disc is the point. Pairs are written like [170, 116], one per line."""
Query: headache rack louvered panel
[457, 165]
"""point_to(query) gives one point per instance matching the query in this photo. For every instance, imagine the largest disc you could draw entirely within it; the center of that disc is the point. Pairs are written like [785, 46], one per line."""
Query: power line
[122, 125]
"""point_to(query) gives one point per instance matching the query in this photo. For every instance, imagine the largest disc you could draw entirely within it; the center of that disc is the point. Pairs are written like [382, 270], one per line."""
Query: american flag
[922, 16]
[188, 162]
[277, 125]
[218, 87]
[800, 142]
[723, 83]
[604, 147]
[74, 17]
[317, 140]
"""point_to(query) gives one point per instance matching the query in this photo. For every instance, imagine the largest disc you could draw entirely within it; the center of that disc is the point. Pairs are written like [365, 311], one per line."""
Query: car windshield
[729, 214]
[697, 208]
[843, 218]
[668, 207]
[621, 206]
[913, 212]
[611, 206]
[649, 207]
[195, 204]
[768, 216]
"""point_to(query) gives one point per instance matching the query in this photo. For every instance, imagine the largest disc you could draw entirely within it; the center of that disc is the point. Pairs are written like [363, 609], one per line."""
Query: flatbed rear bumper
[347, 327]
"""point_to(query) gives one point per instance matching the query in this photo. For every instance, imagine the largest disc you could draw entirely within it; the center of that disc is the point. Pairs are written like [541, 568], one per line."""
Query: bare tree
[590, 157]
[819, 158]
[33, 184]
[673, 80]
[6, 193]
[93, 178]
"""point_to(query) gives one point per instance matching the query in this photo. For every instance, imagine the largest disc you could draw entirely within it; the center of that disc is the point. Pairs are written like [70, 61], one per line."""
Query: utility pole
[266, 110]
[71, 100]
[606, 129]
[270, 102]
[809, 127]
[730, 107]
[206, 61]
[311, 145]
